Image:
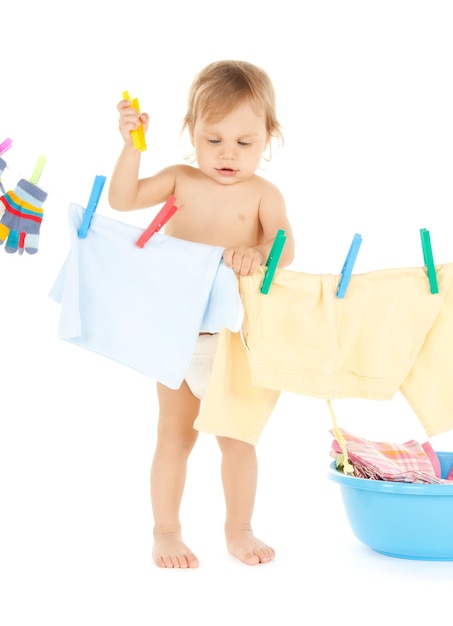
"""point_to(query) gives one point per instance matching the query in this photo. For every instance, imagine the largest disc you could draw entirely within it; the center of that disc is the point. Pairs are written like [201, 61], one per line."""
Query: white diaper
[199, 372]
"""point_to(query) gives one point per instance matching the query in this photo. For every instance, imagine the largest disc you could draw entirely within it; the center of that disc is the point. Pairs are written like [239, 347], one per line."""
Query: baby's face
[229, 150]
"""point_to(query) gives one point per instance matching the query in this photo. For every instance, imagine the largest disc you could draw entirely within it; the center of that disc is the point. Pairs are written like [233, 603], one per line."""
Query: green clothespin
[34, 178]
[428, 260]
[273, 259]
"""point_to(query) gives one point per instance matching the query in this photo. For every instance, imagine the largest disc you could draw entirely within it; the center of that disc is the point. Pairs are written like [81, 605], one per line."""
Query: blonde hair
[221, 86]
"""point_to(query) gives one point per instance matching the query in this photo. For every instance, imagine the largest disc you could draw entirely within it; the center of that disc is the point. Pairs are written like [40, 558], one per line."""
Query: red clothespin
[167, 211]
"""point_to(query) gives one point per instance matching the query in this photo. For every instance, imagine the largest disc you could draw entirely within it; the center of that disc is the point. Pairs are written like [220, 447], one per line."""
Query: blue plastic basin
[405, 520]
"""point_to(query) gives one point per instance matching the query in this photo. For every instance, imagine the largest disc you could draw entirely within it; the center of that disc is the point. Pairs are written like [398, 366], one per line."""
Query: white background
[365, 96]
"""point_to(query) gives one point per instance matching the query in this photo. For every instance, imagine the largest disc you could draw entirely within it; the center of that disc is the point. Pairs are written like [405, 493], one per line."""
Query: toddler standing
[231, 120]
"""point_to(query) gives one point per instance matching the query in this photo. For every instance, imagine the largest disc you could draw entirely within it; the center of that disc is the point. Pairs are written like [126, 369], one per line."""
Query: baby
[231, 120]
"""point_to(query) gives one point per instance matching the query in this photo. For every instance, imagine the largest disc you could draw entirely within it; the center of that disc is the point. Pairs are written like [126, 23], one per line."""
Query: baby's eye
[243, 143]
[214, 140]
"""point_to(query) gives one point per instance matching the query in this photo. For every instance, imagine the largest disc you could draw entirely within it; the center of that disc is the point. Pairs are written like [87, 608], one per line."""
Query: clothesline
[346, 271]
[58, 196]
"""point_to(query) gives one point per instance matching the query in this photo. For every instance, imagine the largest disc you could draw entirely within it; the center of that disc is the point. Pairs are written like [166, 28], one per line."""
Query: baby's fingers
[228, 257]
[244, 261]
[144, 120]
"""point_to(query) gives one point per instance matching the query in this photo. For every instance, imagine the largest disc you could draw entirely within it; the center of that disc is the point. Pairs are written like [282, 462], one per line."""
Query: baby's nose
[228, 152]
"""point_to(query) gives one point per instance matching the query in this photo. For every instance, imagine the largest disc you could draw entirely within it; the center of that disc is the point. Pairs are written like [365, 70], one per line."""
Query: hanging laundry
[142, 307]
[21, 221]
[233, 406]
[388, 334]
[409, 462]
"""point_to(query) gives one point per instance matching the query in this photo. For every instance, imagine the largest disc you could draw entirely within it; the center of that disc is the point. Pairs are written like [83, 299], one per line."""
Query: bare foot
[247, 548]
[170, 551]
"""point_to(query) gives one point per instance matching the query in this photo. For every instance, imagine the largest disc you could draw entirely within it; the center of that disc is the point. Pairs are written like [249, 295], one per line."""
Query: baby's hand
[130, 120]
[244, 261]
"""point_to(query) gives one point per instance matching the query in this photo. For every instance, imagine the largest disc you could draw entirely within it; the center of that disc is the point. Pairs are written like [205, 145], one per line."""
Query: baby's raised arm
[124, 183]
[126, 191]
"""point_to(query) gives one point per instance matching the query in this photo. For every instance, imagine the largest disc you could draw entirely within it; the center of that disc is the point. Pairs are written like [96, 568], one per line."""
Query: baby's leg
[175, 440]
[239, 476]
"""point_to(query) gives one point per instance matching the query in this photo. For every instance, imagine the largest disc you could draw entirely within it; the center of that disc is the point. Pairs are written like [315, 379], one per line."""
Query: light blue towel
[143, 307]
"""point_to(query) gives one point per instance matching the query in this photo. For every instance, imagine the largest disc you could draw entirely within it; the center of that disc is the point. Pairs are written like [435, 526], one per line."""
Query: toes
[265, 555]
[177, 561]
[192, 561]
[167, 561]
[252, 559]
[261, 555]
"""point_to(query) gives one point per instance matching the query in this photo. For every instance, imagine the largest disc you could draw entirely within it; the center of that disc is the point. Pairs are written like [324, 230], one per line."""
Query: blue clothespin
[96, 191]
[429, 260]
[348, 265]
[273, 259]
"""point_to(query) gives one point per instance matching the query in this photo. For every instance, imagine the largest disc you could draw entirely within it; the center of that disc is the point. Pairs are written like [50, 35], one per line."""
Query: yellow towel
[232, 406]
[428, 387]
[303, 339]
[388, 333]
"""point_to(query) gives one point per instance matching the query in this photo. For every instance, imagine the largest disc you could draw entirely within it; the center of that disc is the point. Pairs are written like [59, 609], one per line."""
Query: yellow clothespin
[138, 136]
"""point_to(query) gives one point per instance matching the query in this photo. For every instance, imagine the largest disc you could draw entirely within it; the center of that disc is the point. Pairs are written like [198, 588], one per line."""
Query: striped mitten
[21, 221]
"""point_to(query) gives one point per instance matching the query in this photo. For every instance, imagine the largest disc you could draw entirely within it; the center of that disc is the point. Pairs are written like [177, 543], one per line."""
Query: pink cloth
[407, 462]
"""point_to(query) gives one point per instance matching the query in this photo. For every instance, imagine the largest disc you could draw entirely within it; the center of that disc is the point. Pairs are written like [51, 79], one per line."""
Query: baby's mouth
[227, 171]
